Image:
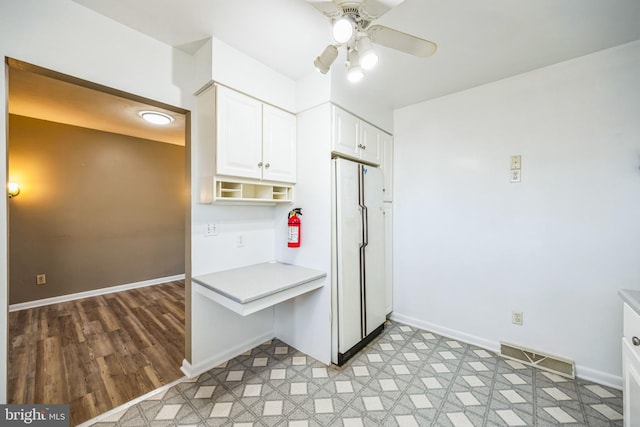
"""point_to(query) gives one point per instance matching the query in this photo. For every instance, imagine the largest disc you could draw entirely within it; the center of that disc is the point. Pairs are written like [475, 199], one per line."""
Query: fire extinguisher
[295, 226]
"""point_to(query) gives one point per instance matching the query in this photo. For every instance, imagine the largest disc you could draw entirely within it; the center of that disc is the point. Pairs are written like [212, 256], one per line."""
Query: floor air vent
[537, 359]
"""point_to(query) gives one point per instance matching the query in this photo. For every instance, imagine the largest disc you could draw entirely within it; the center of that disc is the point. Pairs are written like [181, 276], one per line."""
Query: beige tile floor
[405, 377]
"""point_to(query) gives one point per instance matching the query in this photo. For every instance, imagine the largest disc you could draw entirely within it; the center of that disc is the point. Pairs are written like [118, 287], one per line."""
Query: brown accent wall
[96, 209]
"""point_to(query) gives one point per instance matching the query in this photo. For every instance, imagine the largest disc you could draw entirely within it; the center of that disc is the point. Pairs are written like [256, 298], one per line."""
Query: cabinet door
[239, 134]
[631, 391]
[370, 144]
[388, 256]
[374, 251]
[387, 166]
[278, 145]
[346, 134]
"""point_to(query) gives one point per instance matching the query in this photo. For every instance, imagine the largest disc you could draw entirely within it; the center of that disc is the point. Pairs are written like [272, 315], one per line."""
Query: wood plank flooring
[97, 353]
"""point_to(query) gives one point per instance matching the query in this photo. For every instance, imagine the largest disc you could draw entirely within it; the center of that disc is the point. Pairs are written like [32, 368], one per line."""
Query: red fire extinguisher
[295, 226]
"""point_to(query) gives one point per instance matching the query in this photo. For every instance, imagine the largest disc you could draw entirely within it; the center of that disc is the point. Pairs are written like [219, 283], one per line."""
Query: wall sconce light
[13, 189]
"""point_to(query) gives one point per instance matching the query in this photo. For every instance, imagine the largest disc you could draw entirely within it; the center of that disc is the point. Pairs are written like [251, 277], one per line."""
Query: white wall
[223, 64]
[307, 319]
[470, 247]
[217, 333]
[315, 89]
[66, 37]
[367, 106]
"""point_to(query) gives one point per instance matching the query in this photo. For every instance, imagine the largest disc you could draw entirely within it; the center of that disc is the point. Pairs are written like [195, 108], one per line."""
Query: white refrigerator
[358, 291]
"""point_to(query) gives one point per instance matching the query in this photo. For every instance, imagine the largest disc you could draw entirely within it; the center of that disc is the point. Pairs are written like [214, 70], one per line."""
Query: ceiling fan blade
[373, 9]
[401, 41]
[329, 8]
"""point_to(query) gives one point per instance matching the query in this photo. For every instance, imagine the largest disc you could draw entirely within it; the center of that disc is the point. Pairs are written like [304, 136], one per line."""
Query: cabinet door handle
[266, 165]
[260, 164]
[635, 341]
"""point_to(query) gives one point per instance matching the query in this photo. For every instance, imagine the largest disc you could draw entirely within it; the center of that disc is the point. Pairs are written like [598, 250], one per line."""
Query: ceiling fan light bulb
[369, 59]
[368, 56]
[343, 29]
[355, 73]
[326, 58]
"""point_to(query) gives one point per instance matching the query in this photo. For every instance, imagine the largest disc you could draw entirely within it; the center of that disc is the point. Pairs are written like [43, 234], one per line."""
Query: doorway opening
[99, 243]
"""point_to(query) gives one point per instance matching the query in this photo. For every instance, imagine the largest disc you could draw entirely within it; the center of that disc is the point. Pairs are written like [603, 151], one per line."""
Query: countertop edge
[632, 298]
[313, 275]
[262, 295]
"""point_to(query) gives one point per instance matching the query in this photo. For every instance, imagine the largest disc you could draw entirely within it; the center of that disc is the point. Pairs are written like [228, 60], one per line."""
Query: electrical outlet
[41, 279]
[516, 162]
[212, 229]
[515, 176]
[240, 241]
[516, 318]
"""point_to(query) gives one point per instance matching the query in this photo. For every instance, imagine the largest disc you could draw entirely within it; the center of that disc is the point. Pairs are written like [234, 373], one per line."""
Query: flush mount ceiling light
[156, 117]
[351, 27]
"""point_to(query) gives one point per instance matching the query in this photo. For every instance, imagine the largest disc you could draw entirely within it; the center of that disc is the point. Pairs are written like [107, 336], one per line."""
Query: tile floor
[405, 377]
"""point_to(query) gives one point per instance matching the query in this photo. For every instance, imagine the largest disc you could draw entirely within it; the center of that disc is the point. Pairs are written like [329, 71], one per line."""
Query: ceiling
[38, 96]
[479, 41]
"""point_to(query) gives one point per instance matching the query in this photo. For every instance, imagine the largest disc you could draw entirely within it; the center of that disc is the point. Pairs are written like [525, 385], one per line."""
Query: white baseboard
[599, 377]
[192, 371]
[581, 371]
[93, 293]
[447, 332]
[114, 415]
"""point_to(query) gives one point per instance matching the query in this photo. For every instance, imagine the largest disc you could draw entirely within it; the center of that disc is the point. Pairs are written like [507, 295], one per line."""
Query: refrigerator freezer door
[347, 260]
[358, 253]
[375, 304]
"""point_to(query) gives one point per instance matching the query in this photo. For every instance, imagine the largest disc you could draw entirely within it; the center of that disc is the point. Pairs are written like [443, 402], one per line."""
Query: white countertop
[246, 290]
[631, 297]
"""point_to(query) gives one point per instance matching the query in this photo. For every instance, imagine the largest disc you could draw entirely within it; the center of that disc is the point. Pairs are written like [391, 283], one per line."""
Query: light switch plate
[212, 229]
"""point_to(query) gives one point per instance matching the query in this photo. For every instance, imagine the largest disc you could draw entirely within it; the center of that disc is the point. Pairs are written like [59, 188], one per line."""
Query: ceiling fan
[351, 27]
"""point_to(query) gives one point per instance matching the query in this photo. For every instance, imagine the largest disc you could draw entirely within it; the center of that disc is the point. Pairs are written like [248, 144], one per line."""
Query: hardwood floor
[97, 353]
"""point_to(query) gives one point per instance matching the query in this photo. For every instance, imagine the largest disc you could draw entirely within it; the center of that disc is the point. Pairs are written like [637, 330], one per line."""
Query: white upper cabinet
[370, 143]
[355, 138]
[254, 140]
[239, 134]
[278, 145]
[346, 133]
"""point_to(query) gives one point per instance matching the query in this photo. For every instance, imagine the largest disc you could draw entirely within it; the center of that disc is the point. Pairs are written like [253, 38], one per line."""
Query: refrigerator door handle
[363, 270]
[364, 212]
[365, 222]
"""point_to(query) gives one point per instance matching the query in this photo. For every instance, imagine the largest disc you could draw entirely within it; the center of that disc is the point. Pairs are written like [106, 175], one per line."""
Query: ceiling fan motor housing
[349, 4]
